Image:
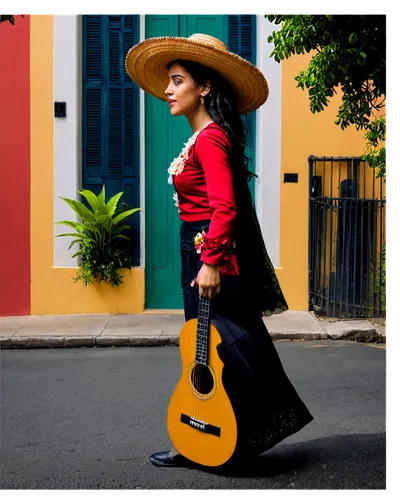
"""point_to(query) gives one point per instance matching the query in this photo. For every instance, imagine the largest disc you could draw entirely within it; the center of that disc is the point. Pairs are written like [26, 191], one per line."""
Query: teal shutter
[110, 114]
[242, 41]
[213, 25]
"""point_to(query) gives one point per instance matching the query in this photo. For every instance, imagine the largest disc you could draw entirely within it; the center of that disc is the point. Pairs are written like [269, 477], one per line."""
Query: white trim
[142, 158]
[268, 144]
[66, 131]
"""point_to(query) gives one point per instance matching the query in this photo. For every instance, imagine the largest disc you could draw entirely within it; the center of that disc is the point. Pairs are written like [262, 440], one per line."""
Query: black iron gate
[347, 271]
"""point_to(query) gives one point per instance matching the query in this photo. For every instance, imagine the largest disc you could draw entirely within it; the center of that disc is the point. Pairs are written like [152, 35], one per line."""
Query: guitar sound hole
[202, 379]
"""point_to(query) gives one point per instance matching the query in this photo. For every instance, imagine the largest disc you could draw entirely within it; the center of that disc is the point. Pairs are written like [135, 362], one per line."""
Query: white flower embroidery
[178, 164]
[176, 199]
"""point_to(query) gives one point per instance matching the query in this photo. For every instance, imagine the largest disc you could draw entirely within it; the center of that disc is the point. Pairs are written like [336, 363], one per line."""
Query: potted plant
[104, 249]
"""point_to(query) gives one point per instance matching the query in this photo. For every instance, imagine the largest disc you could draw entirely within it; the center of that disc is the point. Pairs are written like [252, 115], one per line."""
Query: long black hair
[221, 103]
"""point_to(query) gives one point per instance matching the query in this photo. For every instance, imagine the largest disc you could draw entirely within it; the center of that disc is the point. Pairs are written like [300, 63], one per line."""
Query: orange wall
[14, 168]
[304, 134]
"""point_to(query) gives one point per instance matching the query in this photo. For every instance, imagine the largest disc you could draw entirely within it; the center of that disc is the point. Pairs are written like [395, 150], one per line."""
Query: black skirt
[266, 405]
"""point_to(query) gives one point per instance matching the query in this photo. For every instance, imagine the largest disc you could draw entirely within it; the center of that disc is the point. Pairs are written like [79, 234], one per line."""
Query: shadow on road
[352, 455]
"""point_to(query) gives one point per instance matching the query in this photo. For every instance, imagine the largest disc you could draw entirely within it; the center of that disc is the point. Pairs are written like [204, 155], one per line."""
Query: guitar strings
[198, 355]
[198, 339]
[202, 341]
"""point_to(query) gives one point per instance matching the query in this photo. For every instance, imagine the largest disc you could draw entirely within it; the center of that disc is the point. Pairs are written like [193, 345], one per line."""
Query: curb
[356, 330]
[366, 337]
[48, 342]
[53, 342]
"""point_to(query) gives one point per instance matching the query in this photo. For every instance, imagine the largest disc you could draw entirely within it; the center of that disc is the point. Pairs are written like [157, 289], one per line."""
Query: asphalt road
[88, 418]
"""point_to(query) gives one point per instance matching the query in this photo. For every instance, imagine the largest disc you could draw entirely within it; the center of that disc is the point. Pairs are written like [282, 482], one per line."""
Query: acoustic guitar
[200, 420]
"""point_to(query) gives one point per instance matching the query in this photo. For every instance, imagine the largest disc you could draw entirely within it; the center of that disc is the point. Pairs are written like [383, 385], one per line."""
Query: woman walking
[223, 253]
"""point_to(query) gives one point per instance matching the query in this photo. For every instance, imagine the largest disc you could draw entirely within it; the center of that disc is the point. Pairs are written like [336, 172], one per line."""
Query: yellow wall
[52, 289]
[304, 134]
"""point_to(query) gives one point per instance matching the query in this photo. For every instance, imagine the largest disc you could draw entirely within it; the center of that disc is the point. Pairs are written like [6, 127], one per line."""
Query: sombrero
[146, 63]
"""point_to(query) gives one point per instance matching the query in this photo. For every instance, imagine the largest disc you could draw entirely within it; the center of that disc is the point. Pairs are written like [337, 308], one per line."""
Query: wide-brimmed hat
[146, 63]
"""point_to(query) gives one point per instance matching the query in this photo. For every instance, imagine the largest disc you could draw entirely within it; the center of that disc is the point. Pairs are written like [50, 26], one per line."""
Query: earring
[202, 100]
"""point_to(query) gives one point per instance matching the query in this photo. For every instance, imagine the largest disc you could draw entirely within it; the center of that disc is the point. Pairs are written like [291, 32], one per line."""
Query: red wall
[15, 168]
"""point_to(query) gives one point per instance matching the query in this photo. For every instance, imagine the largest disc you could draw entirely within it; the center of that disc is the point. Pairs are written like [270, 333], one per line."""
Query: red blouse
[205, 191]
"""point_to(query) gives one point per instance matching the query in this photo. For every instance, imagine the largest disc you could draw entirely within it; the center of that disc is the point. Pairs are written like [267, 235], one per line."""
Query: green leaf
[74, 235]
[121, 236]
[81, 252]
[73, 243]
[121, 228]
[92, 233]
[75, 225]
[301, 85]
[328, 78]
[353, 38]
[84, 238]
[112, 204]
[91, 198]
[103, 219]
[101, 211]
[80, 209]
[102, 196]
[120, 217]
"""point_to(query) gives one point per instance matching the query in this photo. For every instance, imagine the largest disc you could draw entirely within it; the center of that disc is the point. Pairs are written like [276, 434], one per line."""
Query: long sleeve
[212, 153]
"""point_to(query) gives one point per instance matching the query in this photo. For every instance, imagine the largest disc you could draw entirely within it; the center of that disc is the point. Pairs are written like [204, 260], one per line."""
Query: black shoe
[164, 459]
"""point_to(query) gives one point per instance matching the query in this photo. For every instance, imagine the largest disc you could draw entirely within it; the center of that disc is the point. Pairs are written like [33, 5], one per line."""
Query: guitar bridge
[200, 425]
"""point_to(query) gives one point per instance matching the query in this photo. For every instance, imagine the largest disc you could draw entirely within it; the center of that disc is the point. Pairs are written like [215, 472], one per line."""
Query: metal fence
[347, 271]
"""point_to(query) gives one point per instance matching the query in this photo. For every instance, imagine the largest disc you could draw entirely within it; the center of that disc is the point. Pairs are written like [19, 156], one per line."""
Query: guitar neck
[202, 332]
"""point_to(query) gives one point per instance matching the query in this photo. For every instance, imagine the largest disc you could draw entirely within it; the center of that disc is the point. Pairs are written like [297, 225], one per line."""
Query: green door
[164, 139]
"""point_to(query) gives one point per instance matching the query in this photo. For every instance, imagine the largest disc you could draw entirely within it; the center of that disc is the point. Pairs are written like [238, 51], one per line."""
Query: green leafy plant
[104, 250]
[377, 286]
[349, 52]
[375, 153]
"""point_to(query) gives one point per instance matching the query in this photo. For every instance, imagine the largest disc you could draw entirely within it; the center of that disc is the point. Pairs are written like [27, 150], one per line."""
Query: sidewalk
[154, 329]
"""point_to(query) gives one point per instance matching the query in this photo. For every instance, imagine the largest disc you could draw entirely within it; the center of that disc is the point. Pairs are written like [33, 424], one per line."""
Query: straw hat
[146, 63]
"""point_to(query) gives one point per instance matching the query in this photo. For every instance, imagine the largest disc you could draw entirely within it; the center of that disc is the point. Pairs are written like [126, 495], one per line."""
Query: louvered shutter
[93, 115]
[111, 112]
[242, 41]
